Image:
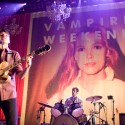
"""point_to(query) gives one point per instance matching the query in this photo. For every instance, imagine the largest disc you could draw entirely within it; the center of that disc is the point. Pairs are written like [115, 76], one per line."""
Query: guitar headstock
[42, 50]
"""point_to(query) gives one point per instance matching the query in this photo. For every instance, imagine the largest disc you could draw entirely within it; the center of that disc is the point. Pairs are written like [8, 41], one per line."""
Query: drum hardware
[82, 119]
[92, 117]
[93, 100]
[46, 105]
[39, 113]
[43, 109]
[110, 97]
[102, 105]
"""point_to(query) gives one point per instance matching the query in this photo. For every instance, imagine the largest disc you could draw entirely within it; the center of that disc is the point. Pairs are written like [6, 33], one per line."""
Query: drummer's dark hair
[75, 88]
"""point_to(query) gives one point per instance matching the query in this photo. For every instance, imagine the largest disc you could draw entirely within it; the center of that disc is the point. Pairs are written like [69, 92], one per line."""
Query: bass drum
[65, 119]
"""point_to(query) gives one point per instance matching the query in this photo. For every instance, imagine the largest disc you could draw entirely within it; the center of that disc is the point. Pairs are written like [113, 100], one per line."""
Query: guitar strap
[3, 54]
[9, 56]
[0, 56]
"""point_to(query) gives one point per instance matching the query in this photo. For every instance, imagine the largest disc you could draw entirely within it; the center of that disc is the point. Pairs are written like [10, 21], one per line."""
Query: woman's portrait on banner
[95, 64]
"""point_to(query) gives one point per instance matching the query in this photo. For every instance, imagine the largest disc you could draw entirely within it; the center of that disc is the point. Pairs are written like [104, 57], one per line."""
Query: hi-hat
[93, 98]
[46, 105]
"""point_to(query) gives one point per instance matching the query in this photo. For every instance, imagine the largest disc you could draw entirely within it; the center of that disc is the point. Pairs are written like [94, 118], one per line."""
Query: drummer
[73, 100]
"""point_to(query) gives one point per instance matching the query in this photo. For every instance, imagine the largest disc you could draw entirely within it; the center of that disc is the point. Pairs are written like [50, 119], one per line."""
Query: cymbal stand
[110, 97]
[44, 117]
[42, 109]
[113, 114]
[92, 115]
[102, 120]
[88, 121]
[100, 107]
[93, 123]
[93, 118]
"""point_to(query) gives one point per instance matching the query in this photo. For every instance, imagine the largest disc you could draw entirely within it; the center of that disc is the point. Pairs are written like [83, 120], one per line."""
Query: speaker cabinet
[122, 118]
[2, 122]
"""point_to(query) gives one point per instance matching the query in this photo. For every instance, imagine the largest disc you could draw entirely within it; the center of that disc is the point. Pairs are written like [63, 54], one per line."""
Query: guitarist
[8, 86]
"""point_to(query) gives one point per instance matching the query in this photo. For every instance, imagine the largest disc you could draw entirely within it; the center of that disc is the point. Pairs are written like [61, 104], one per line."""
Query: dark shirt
[72, 100]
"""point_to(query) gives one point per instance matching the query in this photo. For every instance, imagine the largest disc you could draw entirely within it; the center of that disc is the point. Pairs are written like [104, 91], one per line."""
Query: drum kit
[72, 115]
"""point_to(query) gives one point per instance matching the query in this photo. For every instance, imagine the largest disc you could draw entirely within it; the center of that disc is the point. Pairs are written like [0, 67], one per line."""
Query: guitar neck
[39, 51]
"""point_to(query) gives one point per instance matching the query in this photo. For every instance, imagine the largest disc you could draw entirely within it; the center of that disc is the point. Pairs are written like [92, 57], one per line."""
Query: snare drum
[65, 119]
[58, 109]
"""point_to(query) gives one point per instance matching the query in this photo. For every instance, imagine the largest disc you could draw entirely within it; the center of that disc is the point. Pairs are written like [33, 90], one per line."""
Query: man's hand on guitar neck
[26, 70]
[29, 61]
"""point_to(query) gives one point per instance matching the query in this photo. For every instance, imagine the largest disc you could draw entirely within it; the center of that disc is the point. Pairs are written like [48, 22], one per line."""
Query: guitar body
[4, 77]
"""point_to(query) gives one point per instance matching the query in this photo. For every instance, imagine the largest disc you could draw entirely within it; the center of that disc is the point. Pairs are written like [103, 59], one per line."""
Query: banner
[53, 75]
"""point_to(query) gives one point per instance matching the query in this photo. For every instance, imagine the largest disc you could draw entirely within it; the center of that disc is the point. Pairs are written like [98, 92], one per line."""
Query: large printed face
[91, 53]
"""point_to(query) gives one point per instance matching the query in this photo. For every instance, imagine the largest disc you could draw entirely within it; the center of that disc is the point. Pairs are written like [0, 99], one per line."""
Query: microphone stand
[42, 109]
[113, 114]
[93, 116]
[99, 112]
[93, 122]
[44, 117]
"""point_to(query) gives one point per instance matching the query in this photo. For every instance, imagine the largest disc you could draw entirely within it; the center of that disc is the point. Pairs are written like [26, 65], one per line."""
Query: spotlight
[24, 4]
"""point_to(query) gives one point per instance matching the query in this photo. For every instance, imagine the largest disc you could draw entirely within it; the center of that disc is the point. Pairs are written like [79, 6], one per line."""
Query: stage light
[24, 4]
[10, 8]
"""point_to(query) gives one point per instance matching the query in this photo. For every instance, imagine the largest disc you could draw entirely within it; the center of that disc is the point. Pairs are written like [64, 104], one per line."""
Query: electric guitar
[5, 67]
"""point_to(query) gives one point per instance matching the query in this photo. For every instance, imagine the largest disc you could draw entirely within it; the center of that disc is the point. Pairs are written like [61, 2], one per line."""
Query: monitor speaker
[2, 122]
[122, 118]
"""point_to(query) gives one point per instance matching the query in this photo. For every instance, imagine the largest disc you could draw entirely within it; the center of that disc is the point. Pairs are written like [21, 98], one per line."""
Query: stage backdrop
[44, 67]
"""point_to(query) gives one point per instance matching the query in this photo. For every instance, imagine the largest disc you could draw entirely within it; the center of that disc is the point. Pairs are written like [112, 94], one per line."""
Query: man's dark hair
[75, 88]
[4, 30]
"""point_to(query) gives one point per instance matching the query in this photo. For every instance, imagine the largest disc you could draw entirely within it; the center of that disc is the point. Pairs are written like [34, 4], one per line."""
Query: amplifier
[2, 122]
[122, 118]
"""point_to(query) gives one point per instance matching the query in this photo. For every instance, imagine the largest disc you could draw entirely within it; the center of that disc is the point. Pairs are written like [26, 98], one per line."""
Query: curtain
[18, 26]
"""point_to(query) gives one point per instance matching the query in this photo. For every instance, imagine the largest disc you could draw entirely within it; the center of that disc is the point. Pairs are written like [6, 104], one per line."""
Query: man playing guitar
[7, 78]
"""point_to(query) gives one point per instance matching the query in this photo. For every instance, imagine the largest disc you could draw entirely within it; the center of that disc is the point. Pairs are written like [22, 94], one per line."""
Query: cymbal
[46, 105]
[93, 98]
